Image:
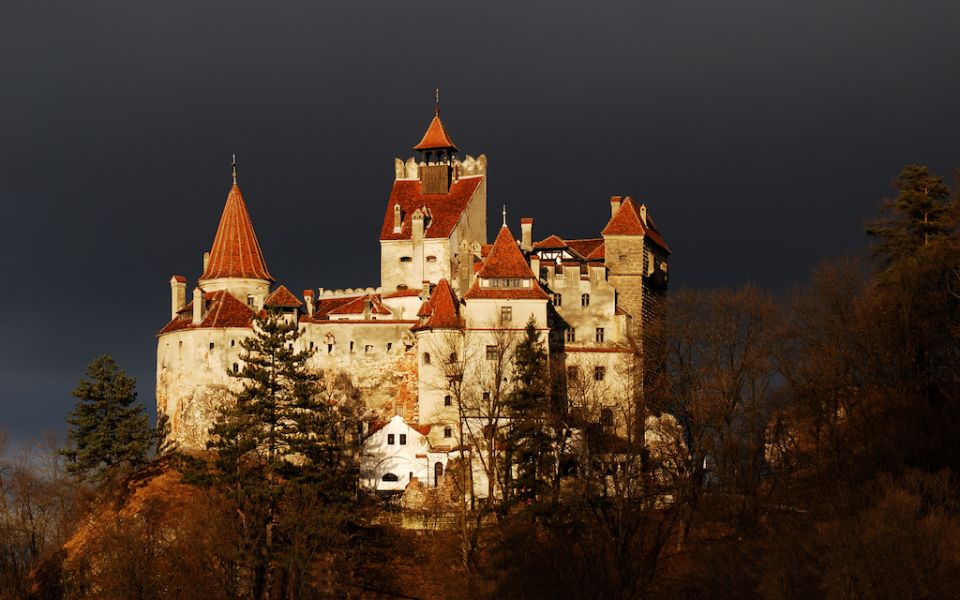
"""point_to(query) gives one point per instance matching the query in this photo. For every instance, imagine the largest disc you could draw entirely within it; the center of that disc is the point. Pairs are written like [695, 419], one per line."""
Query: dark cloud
[760, 133]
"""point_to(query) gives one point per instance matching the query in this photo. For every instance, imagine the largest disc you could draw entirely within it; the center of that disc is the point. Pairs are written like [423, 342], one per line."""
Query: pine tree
[109, 431]
[919, 215]
[528, 404]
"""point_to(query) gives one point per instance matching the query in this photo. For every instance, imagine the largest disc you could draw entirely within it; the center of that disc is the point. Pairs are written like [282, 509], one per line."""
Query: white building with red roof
[447, 303]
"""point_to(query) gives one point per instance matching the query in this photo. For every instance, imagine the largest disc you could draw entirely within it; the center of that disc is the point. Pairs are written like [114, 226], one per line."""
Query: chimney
[308, 300]
[526, 233]
[367, 305]
[197, 306]
[535, 265]
[614, 205]
[178, 294]
[417, 225]
[426, 291]
[397, 220]
[643, 214]
[206, 261]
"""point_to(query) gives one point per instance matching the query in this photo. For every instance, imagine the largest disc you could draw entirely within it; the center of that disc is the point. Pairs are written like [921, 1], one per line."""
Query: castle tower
[437, 202]
[235, 262]
[635, 256]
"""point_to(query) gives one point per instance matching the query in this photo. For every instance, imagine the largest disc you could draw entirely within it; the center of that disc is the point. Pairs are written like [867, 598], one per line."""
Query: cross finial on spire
[436, 107]
[233, 169]
[504, 215]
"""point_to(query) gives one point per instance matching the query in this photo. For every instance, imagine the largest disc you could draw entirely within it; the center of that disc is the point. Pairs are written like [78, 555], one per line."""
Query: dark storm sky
[760, 133]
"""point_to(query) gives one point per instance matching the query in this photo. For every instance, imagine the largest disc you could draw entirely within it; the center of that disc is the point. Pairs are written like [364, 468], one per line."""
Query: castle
[446, 298]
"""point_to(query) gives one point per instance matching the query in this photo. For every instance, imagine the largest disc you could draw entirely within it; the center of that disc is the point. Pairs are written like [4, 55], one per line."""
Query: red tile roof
[531, 293]
[627, 221]
[436, 137]
[505, 259]
[236, 251]
[180, 278]
[402, 294]
[445, 209]
[442, 309]
[357, 306]
[552, 242]
[282, 298]
[223, 310]
[586, 247]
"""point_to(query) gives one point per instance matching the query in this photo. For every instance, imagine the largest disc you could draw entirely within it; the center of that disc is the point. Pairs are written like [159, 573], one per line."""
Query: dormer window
[250, 300]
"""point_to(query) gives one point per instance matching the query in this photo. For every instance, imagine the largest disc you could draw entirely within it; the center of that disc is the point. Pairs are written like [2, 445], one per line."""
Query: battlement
[345, 293]
[469, 166]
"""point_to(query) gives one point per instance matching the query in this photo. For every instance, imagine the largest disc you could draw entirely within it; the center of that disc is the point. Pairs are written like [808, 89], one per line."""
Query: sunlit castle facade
[445, 295]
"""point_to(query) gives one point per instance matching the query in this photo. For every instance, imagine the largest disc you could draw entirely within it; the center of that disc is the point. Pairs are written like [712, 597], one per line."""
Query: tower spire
[504, 215]
[233, 169]
[436, 107]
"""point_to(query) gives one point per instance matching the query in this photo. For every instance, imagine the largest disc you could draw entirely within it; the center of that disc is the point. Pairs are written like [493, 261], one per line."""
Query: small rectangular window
[506, 314]
[368, 349]
[389, 345]
[249, 300]
[486, 395]
[599, 373]
[329, 348]
[405, 259]
[351, 347]
[311, 345]
[571, 335]
[403, 439]
[390, 439]
[584, 299]
[573, 373]
[558, 300]
[491, 353]
[236, 368]
[211, 345]
[447, 432]
[599, 334]
[447, 400]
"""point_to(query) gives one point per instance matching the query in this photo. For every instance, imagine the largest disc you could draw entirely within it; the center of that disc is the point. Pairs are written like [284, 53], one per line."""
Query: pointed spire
[436, 137]
[233, 168]
[236, 251]
[504, 215]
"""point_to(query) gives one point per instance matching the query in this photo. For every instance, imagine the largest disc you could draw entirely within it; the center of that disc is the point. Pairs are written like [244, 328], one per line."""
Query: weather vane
[436, 107]
[504, 215]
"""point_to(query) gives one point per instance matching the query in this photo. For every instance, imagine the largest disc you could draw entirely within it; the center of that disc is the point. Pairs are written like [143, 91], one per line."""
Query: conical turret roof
[236, 252]
[436, 137]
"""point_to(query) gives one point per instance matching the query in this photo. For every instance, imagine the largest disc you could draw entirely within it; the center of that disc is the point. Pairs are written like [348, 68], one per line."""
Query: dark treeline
[810, 452]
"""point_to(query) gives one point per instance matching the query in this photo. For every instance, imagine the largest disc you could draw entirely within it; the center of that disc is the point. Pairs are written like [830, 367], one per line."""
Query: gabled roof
[357, 306]
[223, 310]
[505, 259]
[551, 243]
[585, 247]
[436, 137]
[627, 221]
[442, 310]
[445, 209]
[236, 251]
[282, 298]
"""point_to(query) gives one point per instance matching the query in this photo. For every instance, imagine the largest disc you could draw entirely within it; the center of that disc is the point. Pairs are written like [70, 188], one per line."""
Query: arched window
[437, 473]
[447, 400]
[453, 357]
[390, 477]
[426, 358]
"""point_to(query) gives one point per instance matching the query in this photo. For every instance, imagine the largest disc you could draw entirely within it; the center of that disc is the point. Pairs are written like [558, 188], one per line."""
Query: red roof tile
[445, 209]
[552, 242]
[531, 293]
[585, 247]
[627, 221]
[282, 298]
[180, 278]
[357, 306]
[223, 310]
[402, 294]
[442, 309]
[505, 259]
[436, 137]
[236, 251]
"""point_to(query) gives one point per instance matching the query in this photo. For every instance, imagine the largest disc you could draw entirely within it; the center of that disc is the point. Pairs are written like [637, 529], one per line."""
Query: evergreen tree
[529, 440]
[920, 214]
[109, 431]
